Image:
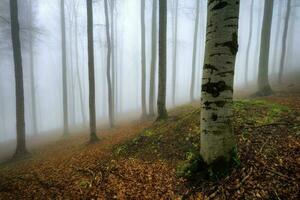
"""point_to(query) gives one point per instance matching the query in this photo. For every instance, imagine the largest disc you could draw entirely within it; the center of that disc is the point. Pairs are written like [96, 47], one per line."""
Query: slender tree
[32, 68]
[217, 138]
[196, 30]
[284, 40]
[143, 60]
[161, 101]
[175, 33]
[108, 69]
[92, 104]
[153, 58]
[249, 41]
[19, 88]
[264, 87]
[64, 68]
[113, 57]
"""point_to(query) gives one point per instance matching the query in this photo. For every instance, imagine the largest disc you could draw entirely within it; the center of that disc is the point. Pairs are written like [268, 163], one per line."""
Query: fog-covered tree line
[73, 65]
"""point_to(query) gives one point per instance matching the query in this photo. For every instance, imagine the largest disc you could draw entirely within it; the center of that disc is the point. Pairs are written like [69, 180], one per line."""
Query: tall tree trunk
[143, 60]
[196, 30]
[64, 68]
[32, 75]
[161, 100]
[19, 88]
[277, 38]
[77, 69]
[264, 87]
[108, 69]
[92, 104]
[153, 59]
[175, 31]
[249, 41]
[113, 66]
[284, 40]
[217, 138]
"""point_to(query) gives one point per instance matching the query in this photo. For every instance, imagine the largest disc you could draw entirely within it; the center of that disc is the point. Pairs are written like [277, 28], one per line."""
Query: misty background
[45, 26]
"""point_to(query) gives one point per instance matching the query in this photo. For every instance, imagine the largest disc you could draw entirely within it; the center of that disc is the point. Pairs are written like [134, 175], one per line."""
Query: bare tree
[264, 87]
[92, 104]
[19, 88]
[153, 58]
[249, 41]
[64, 68]
[161, 101]
[196, 30]
[108, 69]
[175, 32]
[284, 40]
[143, 60]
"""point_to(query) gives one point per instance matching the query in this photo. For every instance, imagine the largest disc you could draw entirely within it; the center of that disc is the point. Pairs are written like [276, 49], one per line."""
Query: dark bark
[19, 88]
[92, 104]
[162, 57]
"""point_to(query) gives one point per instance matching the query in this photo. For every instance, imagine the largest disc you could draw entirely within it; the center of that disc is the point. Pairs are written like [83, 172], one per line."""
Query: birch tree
[217, 139]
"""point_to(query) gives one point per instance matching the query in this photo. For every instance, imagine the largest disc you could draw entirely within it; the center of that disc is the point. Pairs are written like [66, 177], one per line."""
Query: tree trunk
[217, 138]
[284, 40]
[153, 59]
[161, 100]
[19, 88]
[92, 104]
[192, 90]
[113, 66]
[264, 87]
[77, 69]
[249, 42]
[143, 60]
[32, 75]
[64, 68]
[175, 31]
[108, 69]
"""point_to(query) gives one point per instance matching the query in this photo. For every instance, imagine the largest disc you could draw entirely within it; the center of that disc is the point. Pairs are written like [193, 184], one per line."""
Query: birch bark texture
[217, 139]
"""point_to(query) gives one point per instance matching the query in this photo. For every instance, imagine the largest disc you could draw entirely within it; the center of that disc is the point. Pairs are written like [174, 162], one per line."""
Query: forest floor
[141, 160]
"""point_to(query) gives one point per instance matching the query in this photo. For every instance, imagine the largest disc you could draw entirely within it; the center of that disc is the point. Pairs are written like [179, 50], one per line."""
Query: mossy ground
[142, 160]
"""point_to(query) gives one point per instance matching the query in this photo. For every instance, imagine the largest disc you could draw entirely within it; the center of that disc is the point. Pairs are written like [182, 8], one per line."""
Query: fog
[45, 27]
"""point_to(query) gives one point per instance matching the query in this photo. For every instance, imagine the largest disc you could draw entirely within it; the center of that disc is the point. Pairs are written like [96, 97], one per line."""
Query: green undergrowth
[176, 139]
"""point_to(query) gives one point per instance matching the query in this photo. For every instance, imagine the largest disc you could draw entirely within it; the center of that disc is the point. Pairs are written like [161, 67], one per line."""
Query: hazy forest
[150, 99]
